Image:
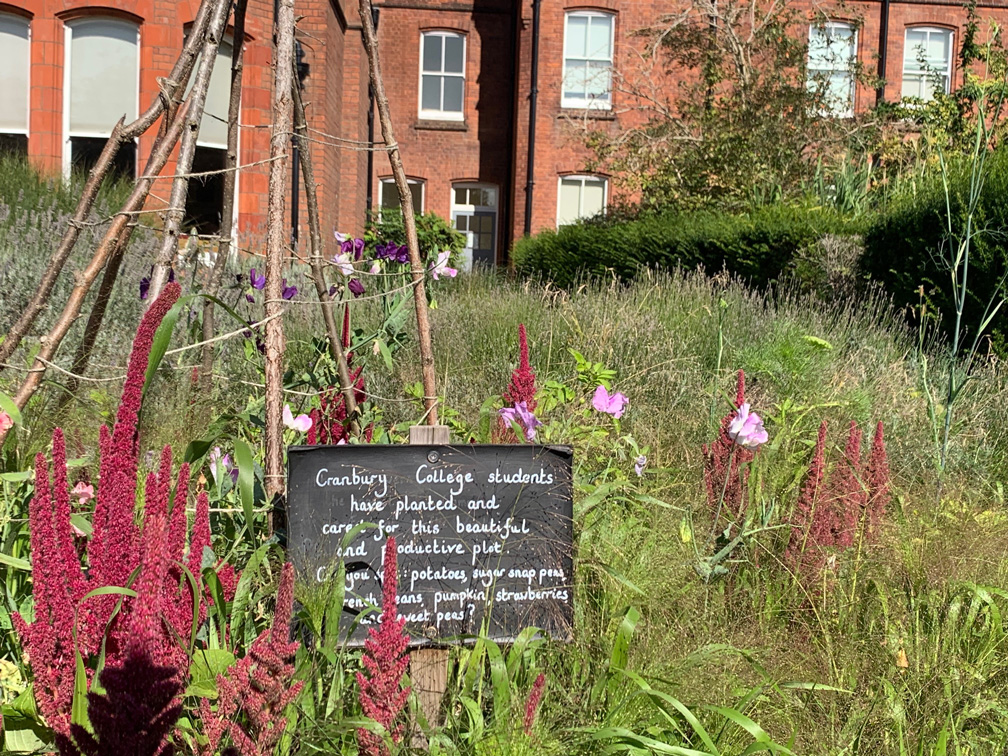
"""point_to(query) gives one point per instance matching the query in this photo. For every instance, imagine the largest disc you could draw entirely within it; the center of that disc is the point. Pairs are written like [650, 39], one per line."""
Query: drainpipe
[370, 130]
[533, 96]
[883, 47]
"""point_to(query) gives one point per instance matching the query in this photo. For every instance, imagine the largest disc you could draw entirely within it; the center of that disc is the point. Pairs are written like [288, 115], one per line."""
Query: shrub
[758, 246]
[908, 248]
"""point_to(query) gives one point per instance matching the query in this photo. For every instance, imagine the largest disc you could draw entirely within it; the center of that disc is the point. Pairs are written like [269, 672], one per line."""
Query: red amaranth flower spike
[877, 484]
[847, 492]
[811, 520]
[723, 458]
[532, 704]
[382, 696]
[522, 387]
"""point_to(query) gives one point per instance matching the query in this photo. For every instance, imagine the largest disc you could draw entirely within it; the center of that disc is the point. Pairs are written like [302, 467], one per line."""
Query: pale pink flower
[440, 268]
[612, 404]
[6, 422]
[746, 429]
[82, 492]
[301, 423]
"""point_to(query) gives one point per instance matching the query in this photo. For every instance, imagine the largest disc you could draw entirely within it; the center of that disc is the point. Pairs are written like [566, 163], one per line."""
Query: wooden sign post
[483, 538]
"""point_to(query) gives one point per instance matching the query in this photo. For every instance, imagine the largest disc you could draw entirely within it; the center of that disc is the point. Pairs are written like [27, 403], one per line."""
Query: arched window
[927, 62]
[14, 70]
[588, 60]
[101, 85]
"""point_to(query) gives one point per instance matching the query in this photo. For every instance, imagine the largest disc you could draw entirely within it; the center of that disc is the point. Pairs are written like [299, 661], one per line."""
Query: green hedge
[757, 246]
[908, 247]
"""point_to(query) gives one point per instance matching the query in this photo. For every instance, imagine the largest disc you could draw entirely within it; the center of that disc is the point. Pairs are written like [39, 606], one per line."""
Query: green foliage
[433, 232]
[907, 250]
[758, 246]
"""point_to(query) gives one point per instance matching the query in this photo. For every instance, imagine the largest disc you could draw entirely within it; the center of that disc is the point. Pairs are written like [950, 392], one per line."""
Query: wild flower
[6, 422]
[639, 464]
[725, 463]
[522, 415]
[532, 704]
[746, 428]
[611, 404]
[382, 696]
[440, 266]
[83, 492]
[302, 423]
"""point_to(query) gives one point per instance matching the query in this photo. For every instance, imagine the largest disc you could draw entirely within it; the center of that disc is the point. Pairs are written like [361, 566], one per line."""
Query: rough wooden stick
[173, 86]
[406, 204]
[315, 262]
[50, 342]
[180, 186]
[276, 243]
[227, 219]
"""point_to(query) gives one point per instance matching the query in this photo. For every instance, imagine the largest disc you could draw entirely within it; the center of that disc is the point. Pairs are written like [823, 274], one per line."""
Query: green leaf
[206, 664]
[501, 684]
[243, 592]
[621, 645]
[16, 563]
[246, 483]
[162, 338]
[7, 405]
[385, 353]
[23, 734]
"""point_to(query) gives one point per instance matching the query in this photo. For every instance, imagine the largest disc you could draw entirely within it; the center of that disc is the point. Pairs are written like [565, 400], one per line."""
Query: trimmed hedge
[758, 246]
[909, 246]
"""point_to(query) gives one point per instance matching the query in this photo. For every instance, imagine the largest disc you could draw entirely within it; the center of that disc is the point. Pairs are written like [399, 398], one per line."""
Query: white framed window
[15, 67]
[213, 125]
[588, 60]
[927, 61]
[474, 210]
[388, 195]
[832, 55]
[580, 197]
[442, 75]
[101, 84]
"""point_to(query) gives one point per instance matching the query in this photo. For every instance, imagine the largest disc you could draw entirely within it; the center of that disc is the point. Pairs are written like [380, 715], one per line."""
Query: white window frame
[442, 115]
[925, 73]
[28, 109]
[847, 112]
[583, 178]
[470, 210]
[67, 54]
[592, 103]
[410, 182]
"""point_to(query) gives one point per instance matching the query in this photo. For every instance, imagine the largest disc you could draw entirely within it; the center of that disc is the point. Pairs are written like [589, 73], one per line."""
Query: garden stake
[276, 244]
[409, 221]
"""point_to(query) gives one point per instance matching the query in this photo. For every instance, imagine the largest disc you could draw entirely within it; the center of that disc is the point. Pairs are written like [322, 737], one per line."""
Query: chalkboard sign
[483, 533]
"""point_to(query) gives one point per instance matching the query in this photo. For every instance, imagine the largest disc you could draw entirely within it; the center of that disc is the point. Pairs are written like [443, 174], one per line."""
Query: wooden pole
[429, 666]
[315, 262]
[277, 242]
[230, 180]
[409, 221]
[180, 186]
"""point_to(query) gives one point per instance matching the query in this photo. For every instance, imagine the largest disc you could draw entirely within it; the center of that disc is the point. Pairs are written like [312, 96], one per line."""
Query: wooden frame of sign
[484, 540]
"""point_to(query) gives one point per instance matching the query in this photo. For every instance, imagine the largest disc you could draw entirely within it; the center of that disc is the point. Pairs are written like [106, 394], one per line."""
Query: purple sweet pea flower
[356, 287]
[289, 292]
[639, 464]
[258, 280]
[614, 404]
[402, 254]
[144, 287]
[747, 429]
[249, 298]
[522, 415]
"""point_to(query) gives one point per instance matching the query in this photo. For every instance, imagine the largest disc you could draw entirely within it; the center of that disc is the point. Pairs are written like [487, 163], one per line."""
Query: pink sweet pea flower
[82, 492]
[6, 422]
[300, 423]
[440, 268]
[747, 429]
[614, 404]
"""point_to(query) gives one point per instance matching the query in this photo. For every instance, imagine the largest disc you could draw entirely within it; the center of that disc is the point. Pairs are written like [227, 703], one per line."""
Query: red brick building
[461, 75]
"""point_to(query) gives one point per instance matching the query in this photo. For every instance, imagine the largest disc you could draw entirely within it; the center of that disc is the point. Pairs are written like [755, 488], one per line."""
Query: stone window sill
[425, 125]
